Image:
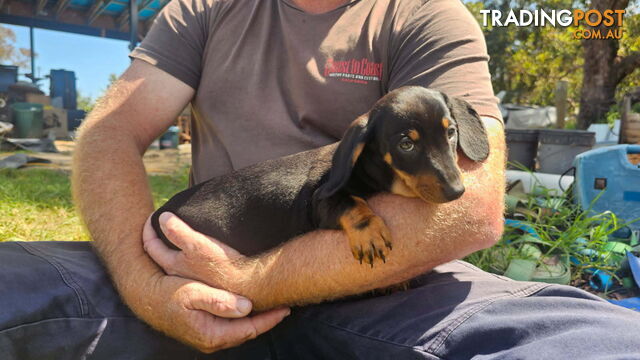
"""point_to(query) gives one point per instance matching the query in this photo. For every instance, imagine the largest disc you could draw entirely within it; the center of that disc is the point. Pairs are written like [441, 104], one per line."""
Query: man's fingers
[265, 321]
[162, 255]
[148, 231]
[187, 239]
[157, 249]
[219, 302]
[181, 234]
[237, 331]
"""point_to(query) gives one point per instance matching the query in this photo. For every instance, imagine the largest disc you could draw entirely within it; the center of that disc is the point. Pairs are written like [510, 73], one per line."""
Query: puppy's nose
[453, 192]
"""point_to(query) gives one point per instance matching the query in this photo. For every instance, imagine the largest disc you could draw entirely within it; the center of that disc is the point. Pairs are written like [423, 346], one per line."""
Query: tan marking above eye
[387, 158]
[414, 135]
[445, 123]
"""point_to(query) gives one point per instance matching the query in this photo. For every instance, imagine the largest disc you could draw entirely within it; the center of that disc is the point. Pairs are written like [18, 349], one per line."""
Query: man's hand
[201, 257]
[206, 318]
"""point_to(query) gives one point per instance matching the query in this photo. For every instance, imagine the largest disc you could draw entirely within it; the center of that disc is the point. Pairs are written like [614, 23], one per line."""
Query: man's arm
[319, 266]
[109, 180]
[112, 194]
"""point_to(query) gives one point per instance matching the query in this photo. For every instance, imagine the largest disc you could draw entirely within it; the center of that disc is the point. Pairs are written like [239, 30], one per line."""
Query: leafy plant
[561, 228]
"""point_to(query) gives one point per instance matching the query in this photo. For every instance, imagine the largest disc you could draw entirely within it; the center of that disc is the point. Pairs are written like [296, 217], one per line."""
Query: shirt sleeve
[176, 41]
[442, 47]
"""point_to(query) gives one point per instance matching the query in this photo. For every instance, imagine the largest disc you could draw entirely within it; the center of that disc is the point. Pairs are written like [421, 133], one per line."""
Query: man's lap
[55, 298]
[57, 302]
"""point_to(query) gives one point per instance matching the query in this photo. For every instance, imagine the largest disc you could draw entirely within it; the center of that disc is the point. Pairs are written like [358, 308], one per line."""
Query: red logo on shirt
[355, 71]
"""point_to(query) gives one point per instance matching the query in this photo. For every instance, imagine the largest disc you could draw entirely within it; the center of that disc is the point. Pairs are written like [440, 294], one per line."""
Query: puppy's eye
[406, 144]
[451, 132]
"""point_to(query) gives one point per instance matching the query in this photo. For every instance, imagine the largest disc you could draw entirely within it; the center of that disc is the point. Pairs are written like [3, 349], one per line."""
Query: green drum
[27, 118]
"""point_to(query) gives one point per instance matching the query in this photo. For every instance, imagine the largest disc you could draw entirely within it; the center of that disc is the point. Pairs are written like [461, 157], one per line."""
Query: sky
[91, 58]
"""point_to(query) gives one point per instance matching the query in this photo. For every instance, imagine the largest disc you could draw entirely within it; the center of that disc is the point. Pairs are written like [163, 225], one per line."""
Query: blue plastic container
[170, 139]
[63, 84]
[8, 76]
[75, 118]
[609, 169]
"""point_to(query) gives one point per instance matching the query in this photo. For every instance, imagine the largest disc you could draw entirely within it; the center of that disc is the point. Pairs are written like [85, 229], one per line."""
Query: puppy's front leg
[369, 237]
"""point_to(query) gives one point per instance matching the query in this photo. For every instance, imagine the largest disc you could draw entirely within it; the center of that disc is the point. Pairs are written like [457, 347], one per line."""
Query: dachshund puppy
[406, 145]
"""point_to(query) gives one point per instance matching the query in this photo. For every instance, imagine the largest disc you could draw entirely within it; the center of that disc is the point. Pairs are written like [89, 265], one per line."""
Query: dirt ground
[157, 162]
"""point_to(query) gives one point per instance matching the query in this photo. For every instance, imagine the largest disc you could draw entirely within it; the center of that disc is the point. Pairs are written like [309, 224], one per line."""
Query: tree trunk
[600, 75]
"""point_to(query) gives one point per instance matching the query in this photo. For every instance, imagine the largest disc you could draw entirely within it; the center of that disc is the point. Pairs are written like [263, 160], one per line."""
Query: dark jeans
[56, 302]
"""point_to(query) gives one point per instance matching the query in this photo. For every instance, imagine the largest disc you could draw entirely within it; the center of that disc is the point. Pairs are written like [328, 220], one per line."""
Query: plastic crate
[522, 145]
[558, 148]
[609, 169]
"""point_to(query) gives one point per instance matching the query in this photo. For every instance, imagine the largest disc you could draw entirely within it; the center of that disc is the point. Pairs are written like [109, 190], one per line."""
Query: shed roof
[104, 18]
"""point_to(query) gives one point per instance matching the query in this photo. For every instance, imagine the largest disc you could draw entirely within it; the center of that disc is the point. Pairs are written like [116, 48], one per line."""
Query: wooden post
[562, 87]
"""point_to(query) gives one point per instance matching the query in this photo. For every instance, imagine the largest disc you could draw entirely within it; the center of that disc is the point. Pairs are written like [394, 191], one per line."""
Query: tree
[9, 54]
[528, 61]
[85, 103]
[607, 64]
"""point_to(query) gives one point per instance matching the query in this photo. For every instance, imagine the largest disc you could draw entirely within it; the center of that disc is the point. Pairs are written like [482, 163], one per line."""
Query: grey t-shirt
[273, 80]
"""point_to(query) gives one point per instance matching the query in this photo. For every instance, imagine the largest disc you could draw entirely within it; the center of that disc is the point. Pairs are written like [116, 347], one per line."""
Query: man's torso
[275, 80]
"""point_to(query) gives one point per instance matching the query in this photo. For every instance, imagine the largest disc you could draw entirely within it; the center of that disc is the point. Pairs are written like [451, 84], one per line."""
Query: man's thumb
[219, 302]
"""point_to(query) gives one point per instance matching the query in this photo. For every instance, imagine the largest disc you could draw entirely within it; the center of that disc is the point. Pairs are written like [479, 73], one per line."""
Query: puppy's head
[415, 132]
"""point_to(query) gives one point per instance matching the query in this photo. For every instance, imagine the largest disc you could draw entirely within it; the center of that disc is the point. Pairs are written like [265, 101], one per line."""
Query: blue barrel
[62, 84]
[608, 169]
[8, 77]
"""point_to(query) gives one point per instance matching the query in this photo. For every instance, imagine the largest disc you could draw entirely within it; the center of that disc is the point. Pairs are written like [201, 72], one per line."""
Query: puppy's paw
[369, 237]
[370, 241]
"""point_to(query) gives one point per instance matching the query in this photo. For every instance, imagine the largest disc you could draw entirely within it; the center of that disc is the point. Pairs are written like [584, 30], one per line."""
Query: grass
[36, 205]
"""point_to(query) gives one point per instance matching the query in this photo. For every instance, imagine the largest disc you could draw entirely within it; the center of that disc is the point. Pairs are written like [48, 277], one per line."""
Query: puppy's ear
[472, 136]
[346, 156]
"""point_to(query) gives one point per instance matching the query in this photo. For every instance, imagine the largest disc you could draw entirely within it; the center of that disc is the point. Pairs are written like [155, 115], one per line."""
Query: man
[266, 79]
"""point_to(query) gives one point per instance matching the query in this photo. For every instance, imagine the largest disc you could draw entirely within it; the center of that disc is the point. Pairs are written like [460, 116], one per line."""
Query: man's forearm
[319, 265]
[110, 185]
[111, 192]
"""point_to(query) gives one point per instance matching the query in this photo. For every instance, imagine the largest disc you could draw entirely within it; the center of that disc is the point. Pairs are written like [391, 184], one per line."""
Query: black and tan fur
[406, 145]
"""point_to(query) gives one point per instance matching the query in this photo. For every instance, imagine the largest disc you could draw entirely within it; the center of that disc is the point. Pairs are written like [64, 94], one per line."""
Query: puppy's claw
[381, 255]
